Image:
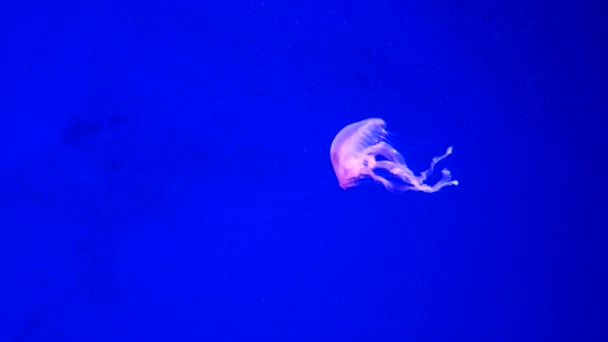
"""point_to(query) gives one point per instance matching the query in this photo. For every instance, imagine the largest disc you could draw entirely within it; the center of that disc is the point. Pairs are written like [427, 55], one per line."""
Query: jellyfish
[360, 150]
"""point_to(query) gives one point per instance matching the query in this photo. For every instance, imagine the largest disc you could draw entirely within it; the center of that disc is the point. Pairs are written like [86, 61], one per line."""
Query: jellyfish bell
[361, 150]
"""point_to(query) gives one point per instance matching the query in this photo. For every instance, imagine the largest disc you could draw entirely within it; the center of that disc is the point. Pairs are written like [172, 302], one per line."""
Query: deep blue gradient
[165, 171]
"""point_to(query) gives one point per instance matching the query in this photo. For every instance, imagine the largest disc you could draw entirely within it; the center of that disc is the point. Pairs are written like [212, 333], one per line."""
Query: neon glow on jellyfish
[361, 147]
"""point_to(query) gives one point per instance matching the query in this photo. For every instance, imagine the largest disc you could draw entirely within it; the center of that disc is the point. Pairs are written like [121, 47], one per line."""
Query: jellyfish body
[361, 148]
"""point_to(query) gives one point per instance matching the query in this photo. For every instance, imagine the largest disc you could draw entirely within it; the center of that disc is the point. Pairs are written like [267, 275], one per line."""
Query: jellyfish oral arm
[401, 171]
[446, 176]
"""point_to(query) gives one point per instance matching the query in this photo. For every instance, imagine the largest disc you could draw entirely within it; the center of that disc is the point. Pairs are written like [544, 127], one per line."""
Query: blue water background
[165, 171]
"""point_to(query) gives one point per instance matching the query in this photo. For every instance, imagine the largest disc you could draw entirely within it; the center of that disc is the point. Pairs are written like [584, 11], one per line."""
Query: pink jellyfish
[361, 148]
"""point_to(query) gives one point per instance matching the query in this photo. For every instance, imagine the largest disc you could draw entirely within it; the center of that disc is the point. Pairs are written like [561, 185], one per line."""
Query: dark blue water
[165, 171]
